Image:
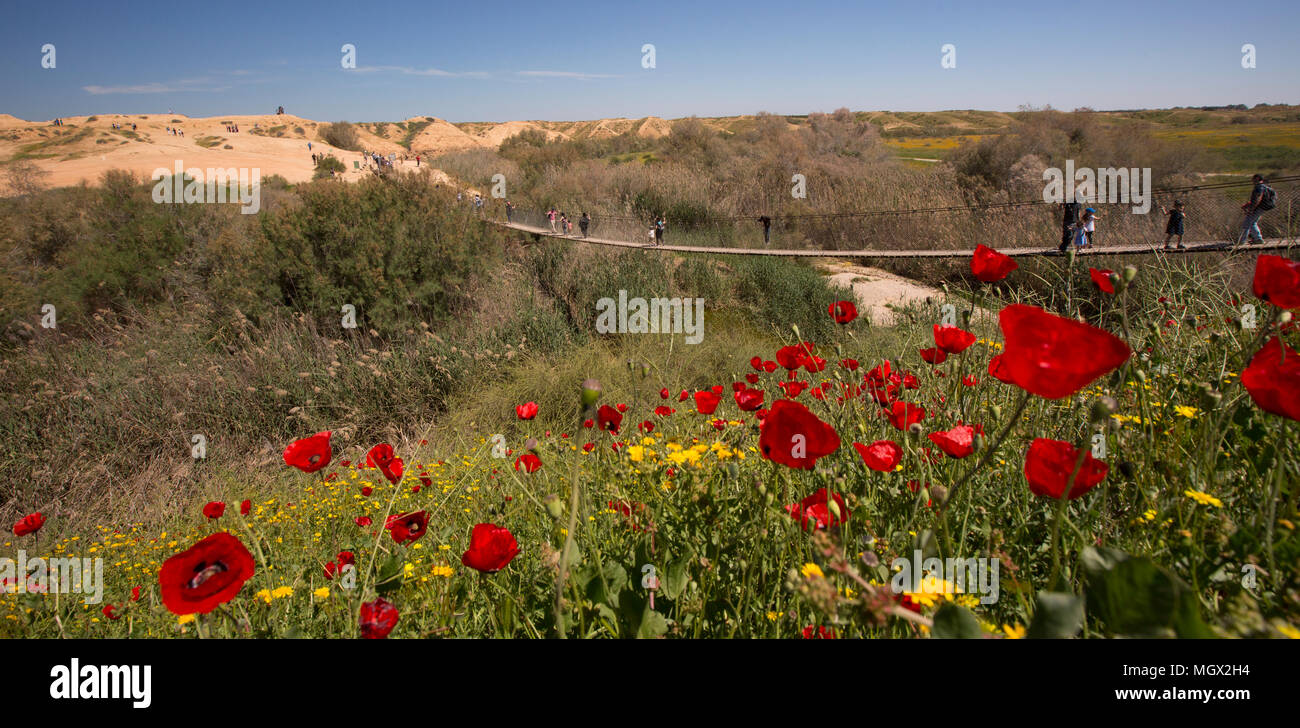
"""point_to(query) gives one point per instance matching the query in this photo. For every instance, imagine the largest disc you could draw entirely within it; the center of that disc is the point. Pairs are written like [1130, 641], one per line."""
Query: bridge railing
[1213, 213]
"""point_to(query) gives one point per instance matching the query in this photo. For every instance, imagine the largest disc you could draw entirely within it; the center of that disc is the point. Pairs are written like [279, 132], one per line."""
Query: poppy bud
[997, 411]
[795, 327]
[1130, 272]
[834, 508]
[1140, 375]
[1114, 280]
[915, 429]
[553, 506]
[939, 493]
[531, 444]
[590, 392]
[645, 370]
[978, 442]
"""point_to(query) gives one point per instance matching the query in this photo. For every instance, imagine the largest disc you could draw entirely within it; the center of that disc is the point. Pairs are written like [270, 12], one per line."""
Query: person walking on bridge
[583, 222]
[550, 217]
[1262, 199]
[1069, 219]
[767, 229]
[510, 211]
[660, 224]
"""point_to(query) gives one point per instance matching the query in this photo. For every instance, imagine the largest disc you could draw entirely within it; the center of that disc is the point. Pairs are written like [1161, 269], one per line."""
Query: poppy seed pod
[939, 493]
[914, 429]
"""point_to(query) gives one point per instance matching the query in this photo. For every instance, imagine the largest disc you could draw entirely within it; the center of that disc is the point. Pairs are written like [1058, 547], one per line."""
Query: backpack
[1267, 198]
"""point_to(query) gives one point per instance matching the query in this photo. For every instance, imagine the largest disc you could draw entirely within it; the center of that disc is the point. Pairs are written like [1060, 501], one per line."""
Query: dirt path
[880, 293]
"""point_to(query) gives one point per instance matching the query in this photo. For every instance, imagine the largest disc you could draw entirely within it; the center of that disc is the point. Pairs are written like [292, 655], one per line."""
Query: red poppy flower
[588, 447]
[381, 456]
[843, 311]
[1049, 464]
[814, 363]
[1273, 379]
[957, 442]
[663, 393]
[377, 619]
[884, 394]
[664, 411]
[989, 265]
[1052, 356]
[609, 419]
[903, 415]
[346, 557]
[706, 402]
[952, 340]
[491, 547]
[769, 366]
[969, 380]
[819, 633]
[752, 377]
[135, 593]
[245, 507]
[718, 424]
[934, 355]
[881, 455]
[1101, 279]
[407, 527]
[794, 437]
[621, 407]
[526, 411]
[214, 510]
[749, 400]
[310, 453]
[209, 573]
[792, 357]
[1277, 280]
[756, 362]
[530, 462]
[109, 610]
[850, 364]
[362, 521]
[793, 389]
[29, 524]
[683, 396]
[815, 508]
[646, 426]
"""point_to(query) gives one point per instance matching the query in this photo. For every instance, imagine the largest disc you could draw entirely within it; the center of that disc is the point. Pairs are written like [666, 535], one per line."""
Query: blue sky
[567, 61]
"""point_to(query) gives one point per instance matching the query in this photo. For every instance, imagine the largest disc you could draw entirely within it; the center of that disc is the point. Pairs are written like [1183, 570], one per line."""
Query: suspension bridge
[824, 234]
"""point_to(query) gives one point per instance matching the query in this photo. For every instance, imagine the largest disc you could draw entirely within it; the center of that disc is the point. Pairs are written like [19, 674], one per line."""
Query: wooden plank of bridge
[1139, 249]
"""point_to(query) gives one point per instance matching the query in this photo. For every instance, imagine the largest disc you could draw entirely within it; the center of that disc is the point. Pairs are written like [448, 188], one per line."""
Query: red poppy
[749, 400]
[706, 402]
[792, 357]
[381, 456]
[769, 366]
[310, 453]
[756, 362]
[850, 364]
[817, 509]
[934, 355]
[843, 311]
[664, 411]
[491, 547]
[646, 426]
[718, 424]
[29, 524]
[407, 527]
[530, 462]
[1049, 464]
[135, 593]
[209, 573]
[1277, 280]
[588, 447]
[683, 396]
[1052, 356]
[814, 363]
[881, 455]
[346, 557]
[752, 377]
[952, 340]
[794, 437]
[969, 380]
[663, 393]
[1101, 279]
[214, 510]
[793, 389]
[526, 411]
[377, 619]
[621, 407]
[362, 521]
[819, 633]
[108, 612]
[609, 419]
[903, 415]
[957, 442]
[989, 265]
[245, 507]
[1273, 379]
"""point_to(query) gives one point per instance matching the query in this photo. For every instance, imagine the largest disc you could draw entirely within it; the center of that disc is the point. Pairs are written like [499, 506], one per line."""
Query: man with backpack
[1262, 199]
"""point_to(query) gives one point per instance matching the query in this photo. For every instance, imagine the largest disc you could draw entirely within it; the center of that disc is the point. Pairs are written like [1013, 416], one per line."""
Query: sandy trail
[879, 293]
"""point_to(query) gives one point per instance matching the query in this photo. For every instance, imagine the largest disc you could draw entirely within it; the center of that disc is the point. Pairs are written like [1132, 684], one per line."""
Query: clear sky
[497, 61]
